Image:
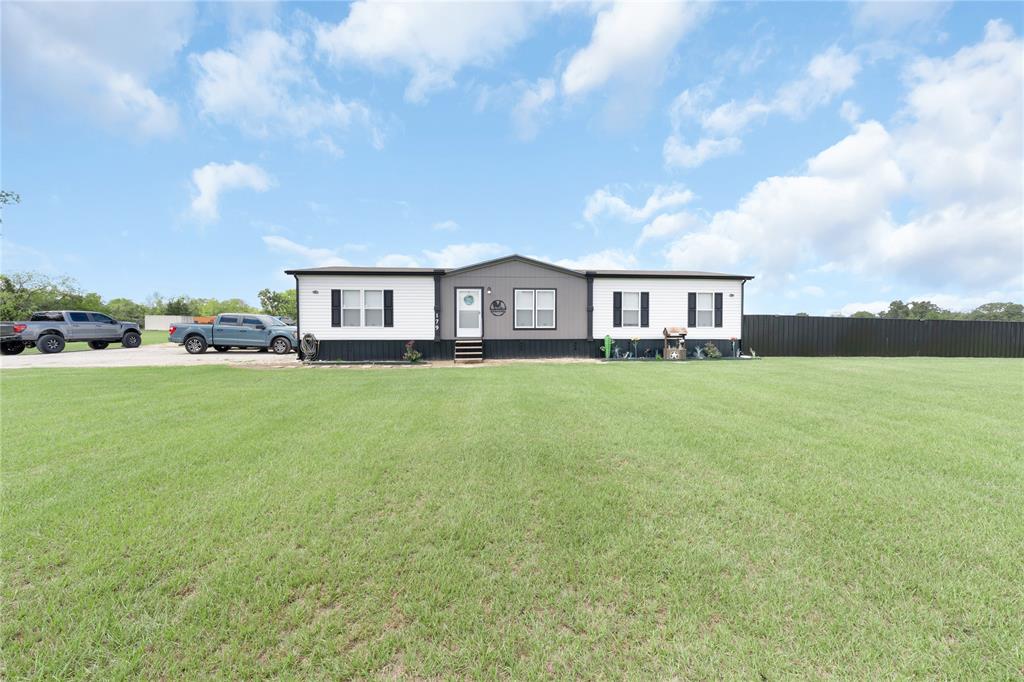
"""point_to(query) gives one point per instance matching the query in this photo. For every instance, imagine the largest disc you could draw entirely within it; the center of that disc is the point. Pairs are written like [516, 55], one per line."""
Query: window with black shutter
[617, 309]
[691, 309]
[718, 309]
[645, 309]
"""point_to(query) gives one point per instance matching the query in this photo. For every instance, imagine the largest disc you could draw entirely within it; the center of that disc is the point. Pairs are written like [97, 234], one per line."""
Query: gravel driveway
[155, 355]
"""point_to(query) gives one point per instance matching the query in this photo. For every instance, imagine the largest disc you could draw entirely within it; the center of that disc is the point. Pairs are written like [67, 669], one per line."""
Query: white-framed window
[351, 307]
[705, 310]
[534, 309]
[630, 308]
[362, 307]
[373, 308]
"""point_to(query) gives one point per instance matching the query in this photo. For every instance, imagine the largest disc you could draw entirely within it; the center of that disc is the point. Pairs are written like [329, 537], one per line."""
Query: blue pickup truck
[237, 330]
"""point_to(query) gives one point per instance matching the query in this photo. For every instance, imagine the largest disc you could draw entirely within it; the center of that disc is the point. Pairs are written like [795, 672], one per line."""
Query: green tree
[22, 293]
[1006, 312]
[182, 305]
[802, 315]
[863, 313]
[126, 309]
[7, 198]
[279, 303]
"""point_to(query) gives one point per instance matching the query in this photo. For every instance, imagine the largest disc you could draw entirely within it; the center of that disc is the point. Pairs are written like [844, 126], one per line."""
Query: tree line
[926, 310]
[23, 293]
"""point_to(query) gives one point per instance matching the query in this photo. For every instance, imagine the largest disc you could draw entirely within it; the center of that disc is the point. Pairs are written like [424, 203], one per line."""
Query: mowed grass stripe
[808, 517]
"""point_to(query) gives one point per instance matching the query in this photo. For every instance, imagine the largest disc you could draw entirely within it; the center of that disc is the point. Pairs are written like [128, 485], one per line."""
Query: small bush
[711, 350]
[411, 354]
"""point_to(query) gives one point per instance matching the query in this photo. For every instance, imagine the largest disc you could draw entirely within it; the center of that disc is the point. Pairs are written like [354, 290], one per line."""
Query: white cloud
[307, 256]
[604, 202]
[457, 255]
[953, 161]
[631, 42]
[262, 85]
[827, 75]
[433, 41]
[446, 225]
[666, 225]
[894, 18]
[850, 112]
[681, 155]
[211, 180]
[532, 107]
[97, 57]
[609, 259]
[397, 260]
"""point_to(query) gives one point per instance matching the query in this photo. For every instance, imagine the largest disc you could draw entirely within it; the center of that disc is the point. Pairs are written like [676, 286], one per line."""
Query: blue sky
[844, 154]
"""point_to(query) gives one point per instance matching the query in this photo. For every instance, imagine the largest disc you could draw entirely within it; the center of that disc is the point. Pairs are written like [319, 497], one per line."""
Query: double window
[534, 309]
[362, 308]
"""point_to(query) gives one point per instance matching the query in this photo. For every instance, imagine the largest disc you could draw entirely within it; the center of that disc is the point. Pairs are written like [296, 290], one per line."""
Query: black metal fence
[800, 335]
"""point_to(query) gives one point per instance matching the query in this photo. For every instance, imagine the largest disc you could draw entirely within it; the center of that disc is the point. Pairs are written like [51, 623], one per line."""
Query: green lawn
[148, 337]
[854, 518]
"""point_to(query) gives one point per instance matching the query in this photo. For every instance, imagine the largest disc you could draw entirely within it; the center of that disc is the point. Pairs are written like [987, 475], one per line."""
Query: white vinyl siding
[413, 306]
[668, 306]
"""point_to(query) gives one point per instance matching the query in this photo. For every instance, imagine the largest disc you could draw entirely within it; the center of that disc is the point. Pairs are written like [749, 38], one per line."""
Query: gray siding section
[502, 278]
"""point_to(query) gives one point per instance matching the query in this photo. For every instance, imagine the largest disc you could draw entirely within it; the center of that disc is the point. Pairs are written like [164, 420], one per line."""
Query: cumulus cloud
[457, 255]
[432, 41]
[631, 42]
[446, 225]
[98, 57]
[953, 163]
[827, 75]
[532, 107]
[306, 256]
[604, 202]
[213, 179]
[895, 18]
[263, 85]
[609, 259]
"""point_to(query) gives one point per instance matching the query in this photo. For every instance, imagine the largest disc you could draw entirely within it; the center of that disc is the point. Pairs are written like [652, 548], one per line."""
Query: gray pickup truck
[237, 330]
[50, 330]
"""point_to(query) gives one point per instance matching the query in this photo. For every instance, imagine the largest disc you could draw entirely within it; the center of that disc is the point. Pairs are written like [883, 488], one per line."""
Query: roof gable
[515, 257]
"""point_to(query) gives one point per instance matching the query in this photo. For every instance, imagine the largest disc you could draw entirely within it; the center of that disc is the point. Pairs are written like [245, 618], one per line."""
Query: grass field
[148, 337]
[856, 518]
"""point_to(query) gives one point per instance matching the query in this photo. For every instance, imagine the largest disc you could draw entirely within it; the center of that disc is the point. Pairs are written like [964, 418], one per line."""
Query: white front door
[469, 313]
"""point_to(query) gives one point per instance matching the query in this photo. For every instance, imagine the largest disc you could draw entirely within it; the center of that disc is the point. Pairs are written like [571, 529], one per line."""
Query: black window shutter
[691, 316]
[335, 307]
[645, 309]
[389, 307]
[718, 309]
[617, 309]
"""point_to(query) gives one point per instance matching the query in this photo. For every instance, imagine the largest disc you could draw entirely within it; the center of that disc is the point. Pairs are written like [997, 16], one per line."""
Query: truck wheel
[195, 345]
[222, 349]
[280, 345]
[131, 340]
[98, 345]
[12, 347]
[50, 343]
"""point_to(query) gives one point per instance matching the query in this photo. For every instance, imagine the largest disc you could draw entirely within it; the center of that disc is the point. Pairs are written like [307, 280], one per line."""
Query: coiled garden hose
[309, 346]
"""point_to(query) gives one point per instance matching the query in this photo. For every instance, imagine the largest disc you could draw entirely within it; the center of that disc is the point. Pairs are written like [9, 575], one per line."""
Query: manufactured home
[511, 307]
